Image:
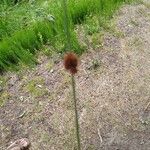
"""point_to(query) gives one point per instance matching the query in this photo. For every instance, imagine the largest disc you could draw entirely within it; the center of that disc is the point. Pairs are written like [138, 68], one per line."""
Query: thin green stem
[76, 113]
[67, 24]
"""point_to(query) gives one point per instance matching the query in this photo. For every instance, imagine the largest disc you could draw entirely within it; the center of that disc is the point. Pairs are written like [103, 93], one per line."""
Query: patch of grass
[36, 87]
[142, 12]
[135, 23]
[91, 25]
[49, 66]
[136, 42]
[96, 40]
[37, 23]
[4, 97]
[3, 81]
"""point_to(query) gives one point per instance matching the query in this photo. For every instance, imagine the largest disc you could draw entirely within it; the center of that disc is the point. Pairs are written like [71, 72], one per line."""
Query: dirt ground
[113, 90]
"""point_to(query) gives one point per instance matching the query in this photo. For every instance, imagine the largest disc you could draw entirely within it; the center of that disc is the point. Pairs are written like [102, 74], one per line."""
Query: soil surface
[113, 91]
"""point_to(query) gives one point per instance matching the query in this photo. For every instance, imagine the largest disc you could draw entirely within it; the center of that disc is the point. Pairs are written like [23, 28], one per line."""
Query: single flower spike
[71, 63]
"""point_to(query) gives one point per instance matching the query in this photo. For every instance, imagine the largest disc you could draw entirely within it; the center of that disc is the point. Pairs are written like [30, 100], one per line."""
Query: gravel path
[113, 87]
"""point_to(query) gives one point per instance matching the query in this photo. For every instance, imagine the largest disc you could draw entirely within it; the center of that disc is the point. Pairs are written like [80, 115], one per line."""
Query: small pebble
[40, 86]
[51, 71]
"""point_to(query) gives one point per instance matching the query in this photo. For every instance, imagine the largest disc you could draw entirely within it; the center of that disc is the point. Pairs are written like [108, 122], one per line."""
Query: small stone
[21, 98]
[142, 142]
[51, 71]
[40, 86]
[59, 96]
[20, 144]
[22, 114]
[40, 103]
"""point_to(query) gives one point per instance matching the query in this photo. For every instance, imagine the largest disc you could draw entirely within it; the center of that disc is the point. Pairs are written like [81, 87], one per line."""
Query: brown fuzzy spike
[71, 62]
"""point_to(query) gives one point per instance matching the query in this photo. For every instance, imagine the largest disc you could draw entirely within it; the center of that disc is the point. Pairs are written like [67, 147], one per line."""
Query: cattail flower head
[71, 62]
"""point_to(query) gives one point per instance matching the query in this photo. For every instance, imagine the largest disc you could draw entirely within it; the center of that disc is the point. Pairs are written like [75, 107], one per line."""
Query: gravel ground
[113, 90]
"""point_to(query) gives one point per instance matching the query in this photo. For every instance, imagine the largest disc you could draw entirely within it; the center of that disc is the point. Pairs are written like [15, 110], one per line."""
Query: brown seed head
[71, 62]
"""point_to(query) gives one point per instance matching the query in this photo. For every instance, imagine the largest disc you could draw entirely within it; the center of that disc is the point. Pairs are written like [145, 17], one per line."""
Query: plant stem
[76, 112]
[67, 25]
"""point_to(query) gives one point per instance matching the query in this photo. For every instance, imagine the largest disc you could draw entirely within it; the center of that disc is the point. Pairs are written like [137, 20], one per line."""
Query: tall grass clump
[23, 44]
[10, 2]
[26, 27]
